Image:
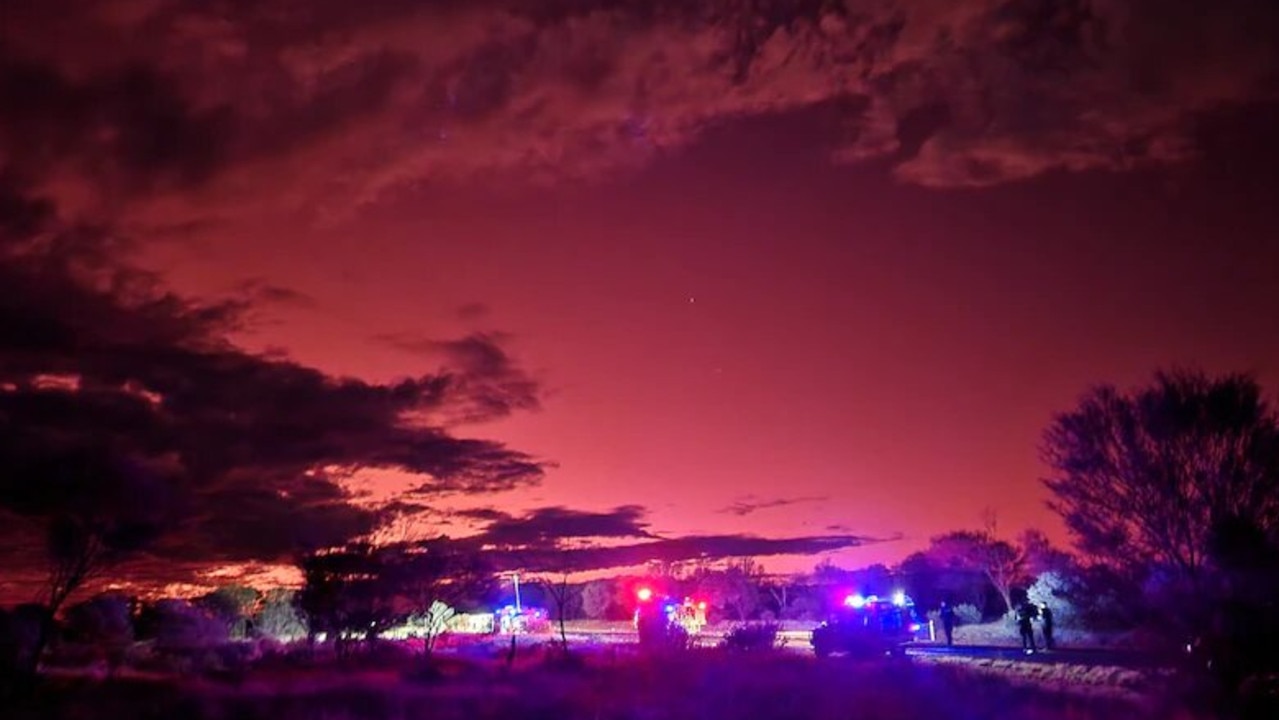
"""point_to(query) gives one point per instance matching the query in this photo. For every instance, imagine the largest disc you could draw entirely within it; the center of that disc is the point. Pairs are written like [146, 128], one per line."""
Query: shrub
[103, 627]
[103, 621]
[234, 605]
[19, 636]
[1053, 589]
[967, 614]
[753, 637]
[1090, 598]
[278, 618]
[179, 625]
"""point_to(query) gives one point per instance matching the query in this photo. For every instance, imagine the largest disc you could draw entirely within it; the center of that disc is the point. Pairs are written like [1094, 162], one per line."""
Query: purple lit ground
[613, 682]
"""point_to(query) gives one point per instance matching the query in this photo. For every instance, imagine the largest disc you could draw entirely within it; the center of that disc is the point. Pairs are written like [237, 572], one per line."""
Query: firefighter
[1025, 619]
[1046, 625]
[948, 622]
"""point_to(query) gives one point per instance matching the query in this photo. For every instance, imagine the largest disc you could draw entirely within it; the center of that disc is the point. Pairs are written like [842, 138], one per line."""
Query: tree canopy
[1145, 479]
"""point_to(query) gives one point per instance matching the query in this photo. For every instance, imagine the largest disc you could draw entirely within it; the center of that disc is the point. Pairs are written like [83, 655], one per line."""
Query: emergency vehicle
[662, 620]
[868, 626]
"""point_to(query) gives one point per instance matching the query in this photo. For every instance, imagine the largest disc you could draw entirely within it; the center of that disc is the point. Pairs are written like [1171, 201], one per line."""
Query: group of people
[1027, 614]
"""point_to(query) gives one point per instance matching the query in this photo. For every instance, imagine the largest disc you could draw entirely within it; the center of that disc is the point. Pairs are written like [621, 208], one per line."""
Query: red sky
[831, 264]
[744, 321]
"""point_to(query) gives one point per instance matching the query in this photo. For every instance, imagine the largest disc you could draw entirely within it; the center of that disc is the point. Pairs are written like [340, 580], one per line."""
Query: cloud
[482, 380]
[750, 503]
[547, 527]
[260, 292]
[698, 547]
[567, 540]
[101, 366]
[179, 110]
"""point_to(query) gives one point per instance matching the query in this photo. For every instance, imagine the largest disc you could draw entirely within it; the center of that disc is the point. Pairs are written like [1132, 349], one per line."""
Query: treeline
[354, 596]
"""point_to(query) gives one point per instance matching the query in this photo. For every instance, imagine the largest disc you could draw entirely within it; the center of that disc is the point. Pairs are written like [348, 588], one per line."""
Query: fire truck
[661, 620]
[868, 626]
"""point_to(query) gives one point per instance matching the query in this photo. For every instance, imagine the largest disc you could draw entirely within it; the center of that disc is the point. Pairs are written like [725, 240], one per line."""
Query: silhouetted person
[1025, 617]
[1046, 617]
[948, 622]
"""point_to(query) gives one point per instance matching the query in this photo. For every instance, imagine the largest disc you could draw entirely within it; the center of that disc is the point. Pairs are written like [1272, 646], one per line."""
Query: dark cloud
[699, 547]
[261, 292]
[566, 540]
[749, 504]
[108, 99]
[483, 382]
[547, 527]
[97, 360]
[483, 514]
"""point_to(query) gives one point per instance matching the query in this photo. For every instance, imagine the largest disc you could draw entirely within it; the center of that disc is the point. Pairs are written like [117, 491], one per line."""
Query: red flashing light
[701, 606]
[644, 594]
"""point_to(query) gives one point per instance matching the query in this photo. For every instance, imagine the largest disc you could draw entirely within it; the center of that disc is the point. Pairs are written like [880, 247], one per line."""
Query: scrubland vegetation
[600, 684]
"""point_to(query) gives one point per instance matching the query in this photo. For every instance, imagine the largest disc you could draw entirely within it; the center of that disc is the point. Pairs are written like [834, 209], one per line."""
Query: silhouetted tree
[920, 579]
[1142, 477]
[562, 595]
[733, 590]
[1040, 555]
[597, 599]
[999, 562]
[1174, 487]
[432, 573]
[96, 507]
[348, 593]
[236, 605]
[781, 591]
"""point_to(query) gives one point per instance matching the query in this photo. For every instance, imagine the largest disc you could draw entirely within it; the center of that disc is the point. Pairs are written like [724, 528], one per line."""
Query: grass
[605, 684]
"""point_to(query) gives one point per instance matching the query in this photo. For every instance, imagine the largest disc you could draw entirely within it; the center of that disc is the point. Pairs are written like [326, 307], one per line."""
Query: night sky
[817, 272]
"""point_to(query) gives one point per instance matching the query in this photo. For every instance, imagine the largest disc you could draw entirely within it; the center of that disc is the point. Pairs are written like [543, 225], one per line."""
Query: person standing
[1046, 620]
[948, 622]
[1025, 616]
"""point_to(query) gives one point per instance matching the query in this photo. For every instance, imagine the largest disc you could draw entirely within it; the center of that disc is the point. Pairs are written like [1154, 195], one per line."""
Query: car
[868, 627]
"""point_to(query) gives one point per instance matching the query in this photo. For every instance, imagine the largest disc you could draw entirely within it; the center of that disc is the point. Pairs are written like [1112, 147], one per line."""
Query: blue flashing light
[899, 598]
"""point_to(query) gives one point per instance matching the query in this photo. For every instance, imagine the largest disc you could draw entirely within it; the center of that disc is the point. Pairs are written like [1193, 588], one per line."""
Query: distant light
[644, 594]
[899, 598]
[701, 606]
[914, 627]
[855, 601]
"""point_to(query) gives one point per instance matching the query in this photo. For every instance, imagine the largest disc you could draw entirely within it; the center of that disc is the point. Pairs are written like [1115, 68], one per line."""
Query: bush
[967, 614]
[234, 605]
[1091, 598]
[103, 621]
[753, 637]
[179, 625]
[1053, 589]
[102, 627]
[278, 618]
[19, 634]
